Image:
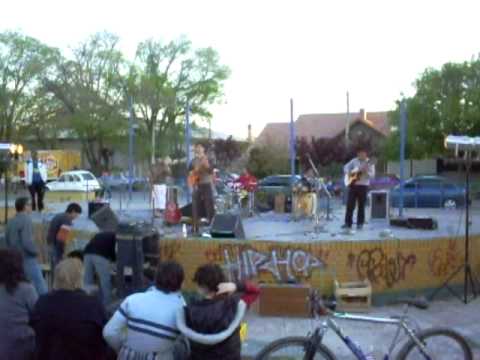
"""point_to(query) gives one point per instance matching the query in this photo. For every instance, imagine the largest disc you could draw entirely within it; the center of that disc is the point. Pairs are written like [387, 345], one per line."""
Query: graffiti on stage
[380, 268]
[443, 261]
[284, 264]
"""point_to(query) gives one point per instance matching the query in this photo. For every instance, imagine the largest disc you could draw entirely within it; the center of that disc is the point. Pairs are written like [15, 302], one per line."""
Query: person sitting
[144, 325]
[68, 323]
[212, 324]
[17, 299]
[97, 256]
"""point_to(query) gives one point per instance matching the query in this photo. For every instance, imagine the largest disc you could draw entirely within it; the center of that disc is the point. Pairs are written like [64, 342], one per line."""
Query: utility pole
[292, 141]
[347, 128]
[187, 140]
[403, 130]
[131, 134]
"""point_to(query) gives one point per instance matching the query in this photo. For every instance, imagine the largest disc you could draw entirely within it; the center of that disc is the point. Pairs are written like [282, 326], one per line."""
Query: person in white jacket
[36, 178]
[144, 326]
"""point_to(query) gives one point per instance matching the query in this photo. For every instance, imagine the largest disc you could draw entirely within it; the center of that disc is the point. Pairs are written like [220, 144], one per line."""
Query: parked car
[429, 191]
[79, 180]
[384, 182]
[114, 182]
[270, 186]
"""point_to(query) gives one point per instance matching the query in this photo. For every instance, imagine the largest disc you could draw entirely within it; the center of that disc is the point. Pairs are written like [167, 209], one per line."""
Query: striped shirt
[145, 322]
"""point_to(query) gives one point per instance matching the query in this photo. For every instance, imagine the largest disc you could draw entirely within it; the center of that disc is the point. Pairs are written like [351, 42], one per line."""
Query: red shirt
[247, 182]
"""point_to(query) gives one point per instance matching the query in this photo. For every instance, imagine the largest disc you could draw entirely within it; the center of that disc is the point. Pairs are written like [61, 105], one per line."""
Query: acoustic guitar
[353, 176]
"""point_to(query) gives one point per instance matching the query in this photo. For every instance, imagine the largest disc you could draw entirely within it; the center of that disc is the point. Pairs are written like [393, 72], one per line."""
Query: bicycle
[417, 346]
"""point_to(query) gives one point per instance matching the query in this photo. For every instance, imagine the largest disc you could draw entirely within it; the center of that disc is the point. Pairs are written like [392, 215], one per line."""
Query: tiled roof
[322, 126]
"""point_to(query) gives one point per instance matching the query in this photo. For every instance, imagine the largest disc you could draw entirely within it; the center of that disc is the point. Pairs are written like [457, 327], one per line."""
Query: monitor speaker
[227, 226]
[94, 206]
[105, 219]
[423, 223]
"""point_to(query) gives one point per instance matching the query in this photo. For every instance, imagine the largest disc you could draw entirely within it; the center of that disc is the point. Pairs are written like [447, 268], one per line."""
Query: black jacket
[102, 244]
[212, 316]
[68, 325]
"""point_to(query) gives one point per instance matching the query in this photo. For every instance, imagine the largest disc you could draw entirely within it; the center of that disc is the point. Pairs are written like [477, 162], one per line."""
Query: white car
[79, 180]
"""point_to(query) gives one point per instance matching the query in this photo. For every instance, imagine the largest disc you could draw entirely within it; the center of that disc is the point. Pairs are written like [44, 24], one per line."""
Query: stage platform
[278, 250]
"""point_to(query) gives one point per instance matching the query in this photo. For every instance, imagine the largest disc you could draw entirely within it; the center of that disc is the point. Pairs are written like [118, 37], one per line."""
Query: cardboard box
[284, 300]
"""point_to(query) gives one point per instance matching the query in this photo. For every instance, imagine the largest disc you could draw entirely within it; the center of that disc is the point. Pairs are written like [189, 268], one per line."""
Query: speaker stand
[470, 282]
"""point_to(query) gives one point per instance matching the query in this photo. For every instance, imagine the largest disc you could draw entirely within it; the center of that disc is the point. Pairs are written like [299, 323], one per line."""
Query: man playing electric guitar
[201, 184]
[358, 173]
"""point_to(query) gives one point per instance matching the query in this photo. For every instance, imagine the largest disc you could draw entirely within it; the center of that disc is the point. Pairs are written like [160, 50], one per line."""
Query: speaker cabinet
[105, 219]
[94, 206]
[227, 226]
[379, 205]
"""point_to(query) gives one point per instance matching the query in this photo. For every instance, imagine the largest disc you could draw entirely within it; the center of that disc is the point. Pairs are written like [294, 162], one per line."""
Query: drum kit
[307, 195]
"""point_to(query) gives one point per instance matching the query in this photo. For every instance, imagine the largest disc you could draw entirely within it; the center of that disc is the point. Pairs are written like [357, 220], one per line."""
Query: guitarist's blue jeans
[357, 197]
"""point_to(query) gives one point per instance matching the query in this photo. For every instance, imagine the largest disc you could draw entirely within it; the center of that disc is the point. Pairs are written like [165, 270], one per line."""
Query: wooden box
[353, 296]
[280, 201]
[284, 300]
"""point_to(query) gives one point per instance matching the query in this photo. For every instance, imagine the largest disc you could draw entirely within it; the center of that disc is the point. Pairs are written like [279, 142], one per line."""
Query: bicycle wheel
[440, 343]
[292, 348]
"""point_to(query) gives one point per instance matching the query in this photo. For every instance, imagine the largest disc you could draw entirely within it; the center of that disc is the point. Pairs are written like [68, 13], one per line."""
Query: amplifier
[379, 205]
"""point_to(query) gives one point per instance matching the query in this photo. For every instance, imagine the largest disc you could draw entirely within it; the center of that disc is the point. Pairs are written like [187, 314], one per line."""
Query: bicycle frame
[400, 323]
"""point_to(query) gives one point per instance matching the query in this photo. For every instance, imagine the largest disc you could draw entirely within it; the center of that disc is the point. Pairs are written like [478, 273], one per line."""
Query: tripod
[470, 283]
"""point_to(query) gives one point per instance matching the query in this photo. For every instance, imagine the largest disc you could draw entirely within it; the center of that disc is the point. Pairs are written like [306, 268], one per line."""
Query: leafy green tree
[447, 101]
[24, 62]
[92, 89]
[167, 75]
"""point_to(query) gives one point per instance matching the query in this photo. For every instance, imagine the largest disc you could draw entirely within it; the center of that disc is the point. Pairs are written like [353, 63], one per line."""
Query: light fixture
[13, 148]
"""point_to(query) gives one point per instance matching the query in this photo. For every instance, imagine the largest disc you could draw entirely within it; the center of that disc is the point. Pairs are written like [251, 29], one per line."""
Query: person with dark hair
[358, 173]
[212, 324]
[36, 178]
[144, 325]
[58, 231]
[98, 254]
[17, 299]
[68, 323]
[19, 235]
[201, 184]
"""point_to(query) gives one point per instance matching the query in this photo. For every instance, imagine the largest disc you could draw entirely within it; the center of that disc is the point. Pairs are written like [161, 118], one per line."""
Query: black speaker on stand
[227, 226]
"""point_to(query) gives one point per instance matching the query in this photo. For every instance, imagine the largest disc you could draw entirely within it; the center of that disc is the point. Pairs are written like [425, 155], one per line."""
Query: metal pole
[467, 227]
[347, 128]
[154, 123]
[292, 142]
[187, 141]
[403, 135]
[6, 191]
[130, 147]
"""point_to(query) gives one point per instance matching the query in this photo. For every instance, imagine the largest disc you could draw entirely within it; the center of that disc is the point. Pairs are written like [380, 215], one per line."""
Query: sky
[310, 51]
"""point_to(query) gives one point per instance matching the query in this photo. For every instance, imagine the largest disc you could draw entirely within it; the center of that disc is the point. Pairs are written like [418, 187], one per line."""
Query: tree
[226, 151]
[92, 90]
[268, 160]
[164, 78]
[447, 101]
[24, 61]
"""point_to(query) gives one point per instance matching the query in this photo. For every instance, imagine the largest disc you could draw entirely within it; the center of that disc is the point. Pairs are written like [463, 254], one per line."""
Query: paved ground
[450, 313]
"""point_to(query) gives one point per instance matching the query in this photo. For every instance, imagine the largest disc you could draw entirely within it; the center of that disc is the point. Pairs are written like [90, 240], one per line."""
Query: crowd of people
[69, 321]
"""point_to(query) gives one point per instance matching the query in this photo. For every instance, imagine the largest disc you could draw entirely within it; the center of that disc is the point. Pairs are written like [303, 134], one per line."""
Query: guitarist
[359, 170]
[201, 184]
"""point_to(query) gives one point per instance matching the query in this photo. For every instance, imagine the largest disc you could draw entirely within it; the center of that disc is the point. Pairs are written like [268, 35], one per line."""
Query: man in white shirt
[358, 188]
[36, 178]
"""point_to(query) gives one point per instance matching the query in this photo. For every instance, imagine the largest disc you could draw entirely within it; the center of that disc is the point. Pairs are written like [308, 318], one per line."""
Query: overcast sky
[311, 51]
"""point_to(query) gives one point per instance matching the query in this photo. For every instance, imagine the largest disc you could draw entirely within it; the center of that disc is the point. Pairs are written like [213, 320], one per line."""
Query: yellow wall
[391, 265]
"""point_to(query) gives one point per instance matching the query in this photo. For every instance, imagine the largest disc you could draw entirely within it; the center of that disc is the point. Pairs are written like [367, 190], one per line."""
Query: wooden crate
[353, 296]
[280, 201]
[284, 300]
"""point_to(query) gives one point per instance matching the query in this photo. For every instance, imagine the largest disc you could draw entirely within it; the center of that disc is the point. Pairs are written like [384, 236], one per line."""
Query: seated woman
[213, 324]
[17, 298]
[144, 325]
[68, 323]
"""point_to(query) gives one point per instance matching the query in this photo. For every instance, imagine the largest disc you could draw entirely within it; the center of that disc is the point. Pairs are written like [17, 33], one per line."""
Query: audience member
[58, 231]
[17, 298]
[97, 256]
[68, 323]
[144, 325]
[212, 324]
[19, 235]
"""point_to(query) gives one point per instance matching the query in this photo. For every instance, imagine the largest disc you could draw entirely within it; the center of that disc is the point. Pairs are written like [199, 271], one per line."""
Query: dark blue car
[429, 192]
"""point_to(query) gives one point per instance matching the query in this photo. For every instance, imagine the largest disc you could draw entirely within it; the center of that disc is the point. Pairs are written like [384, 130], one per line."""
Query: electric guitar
[353, 176]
